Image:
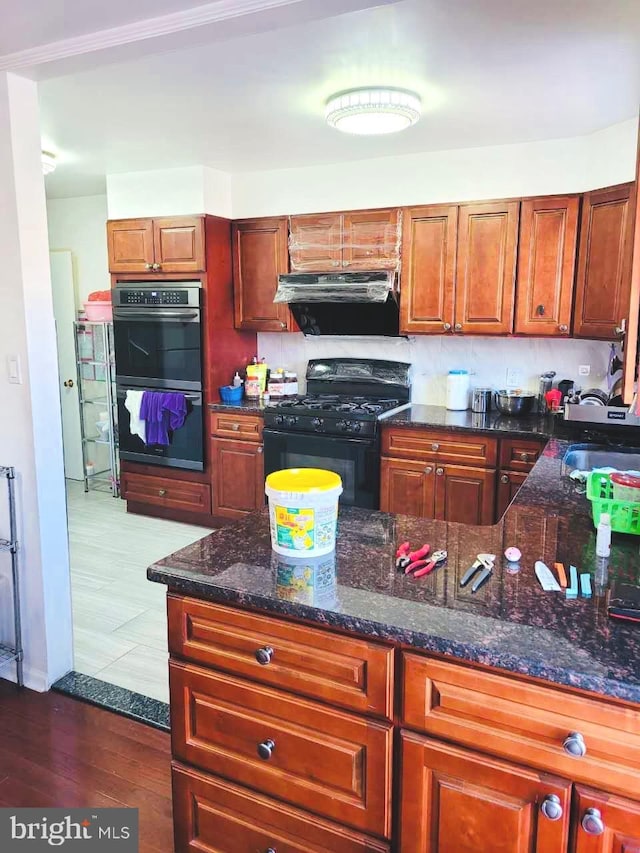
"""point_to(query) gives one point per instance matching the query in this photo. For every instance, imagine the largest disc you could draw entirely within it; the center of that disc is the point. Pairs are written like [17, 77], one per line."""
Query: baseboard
[34, 679]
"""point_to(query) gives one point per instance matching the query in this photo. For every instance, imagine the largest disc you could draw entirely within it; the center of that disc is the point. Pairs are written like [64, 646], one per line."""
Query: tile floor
[119, 617]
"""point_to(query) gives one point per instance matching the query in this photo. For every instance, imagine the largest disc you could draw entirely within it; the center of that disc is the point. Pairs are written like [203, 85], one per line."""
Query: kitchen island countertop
[510, 623]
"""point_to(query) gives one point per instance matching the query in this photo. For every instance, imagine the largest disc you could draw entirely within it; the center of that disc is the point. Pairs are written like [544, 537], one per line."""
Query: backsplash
[432, 357]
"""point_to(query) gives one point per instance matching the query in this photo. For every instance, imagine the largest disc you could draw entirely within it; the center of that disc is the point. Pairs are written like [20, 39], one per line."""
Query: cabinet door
[237, 470]
[464, 494]
[604, 263]
[316, 242]
[546, 263]
[179, 244]
[259, 248]
[130, 243]
[407, 487]
[454, 801]
[508, 484]
[428, 269]
[605, 824]
[371, 240]
[486, 267]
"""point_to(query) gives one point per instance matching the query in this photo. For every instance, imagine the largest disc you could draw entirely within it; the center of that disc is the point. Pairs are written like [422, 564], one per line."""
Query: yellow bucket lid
[303, 480]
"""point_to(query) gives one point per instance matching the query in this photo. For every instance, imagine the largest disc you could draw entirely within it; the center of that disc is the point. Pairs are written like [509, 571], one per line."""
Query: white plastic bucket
[303, 511]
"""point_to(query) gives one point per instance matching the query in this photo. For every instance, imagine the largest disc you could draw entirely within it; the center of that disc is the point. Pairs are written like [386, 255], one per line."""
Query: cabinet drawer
[230, 425]
[461, 448]
[327, 761]
[158, 491]
[519, 455]
[352, 673]
[214, 816]
[525, 722]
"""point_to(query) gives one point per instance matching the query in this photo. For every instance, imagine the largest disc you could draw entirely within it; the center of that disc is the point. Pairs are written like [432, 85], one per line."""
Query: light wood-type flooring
[119, 617]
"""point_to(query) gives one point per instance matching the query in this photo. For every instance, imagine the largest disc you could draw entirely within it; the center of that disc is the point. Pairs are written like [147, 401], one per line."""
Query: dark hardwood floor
[57, 751]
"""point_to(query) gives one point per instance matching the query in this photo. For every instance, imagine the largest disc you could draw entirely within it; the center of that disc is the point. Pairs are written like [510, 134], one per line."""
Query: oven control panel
[153, 297]
[286, 422]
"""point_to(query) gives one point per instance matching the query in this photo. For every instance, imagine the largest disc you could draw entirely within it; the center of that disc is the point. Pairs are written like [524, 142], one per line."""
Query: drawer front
[230, 425]
[330, 762]
[174, 494]
[458, 447]
[525, 722]
[215, 816]
[519, 455]
[344, 671]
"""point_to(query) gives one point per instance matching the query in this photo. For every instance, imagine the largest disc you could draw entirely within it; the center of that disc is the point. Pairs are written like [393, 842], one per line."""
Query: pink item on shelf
[98, 312]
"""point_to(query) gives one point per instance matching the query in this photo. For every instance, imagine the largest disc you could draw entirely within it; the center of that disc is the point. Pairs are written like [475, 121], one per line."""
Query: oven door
[356, 460]
[185, 449]
[159, 344]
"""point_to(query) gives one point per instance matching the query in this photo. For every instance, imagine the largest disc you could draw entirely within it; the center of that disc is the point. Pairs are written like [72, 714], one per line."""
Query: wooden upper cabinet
[455, 800]
[316, 242]
[371, 239]
[259, 250]
[156, 245]
[604, 263]
[546, 265]
[428, 269]
[486, 267]
[130, 244]
[179, 244]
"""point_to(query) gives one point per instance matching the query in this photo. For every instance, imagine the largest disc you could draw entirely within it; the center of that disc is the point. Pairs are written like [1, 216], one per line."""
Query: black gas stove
[336, 424]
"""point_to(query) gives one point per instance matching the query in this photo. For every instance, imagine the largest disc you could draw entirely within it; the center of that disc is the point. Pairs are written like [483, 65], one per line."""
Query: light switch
[14, 370]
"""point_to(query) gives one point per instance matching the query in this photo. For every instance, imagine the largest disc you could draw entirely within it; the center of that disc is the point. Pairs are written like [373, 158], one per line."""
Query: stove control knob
[342, 425]
[292, 420]
[317, 424]
[280, 419]
[357, 426]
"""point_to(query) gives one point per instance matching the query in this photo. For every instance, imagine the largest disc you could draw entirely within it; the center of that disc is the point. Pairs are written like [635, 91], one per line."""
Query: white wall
[79, 225]
[169, 192]
[433, 356]
[30, 426]
[532, 168]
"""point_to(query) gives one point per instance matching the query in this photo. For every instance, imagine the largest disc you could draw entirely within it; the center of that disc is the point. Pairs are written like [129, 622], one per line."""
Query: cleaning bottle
[603, 536]
[237, 381]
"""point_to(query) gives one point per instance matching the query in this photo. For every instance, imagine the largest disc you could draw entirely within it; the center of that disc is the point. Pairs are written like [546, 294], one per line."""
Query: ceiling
[489, 72]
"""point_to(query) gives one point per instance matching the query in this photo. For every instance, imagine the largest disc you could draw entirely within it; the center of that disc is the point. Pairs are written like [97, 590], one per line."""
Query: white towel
[132, 403]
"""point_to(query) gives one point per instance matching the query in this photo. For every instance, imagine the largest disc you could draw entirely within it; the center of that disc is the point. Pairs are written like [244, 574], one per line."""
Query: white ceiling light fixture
[373, 110]
[48, 162]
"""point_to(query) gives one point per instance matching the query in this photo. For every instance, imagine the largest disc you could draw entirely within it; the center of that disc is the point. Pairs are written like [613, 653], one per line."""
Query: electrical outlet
[584, 370]
[514, 377]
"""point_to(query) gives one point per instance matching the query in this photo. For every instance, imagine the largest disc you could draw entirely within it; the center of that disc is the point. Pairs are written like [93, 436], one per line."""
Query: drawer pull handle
[271, 850]
[447, 327]
[264, 655]
[428, 469]
[235, 427]
[524, 457]
[162, 492]
[265, 749]
[458, 327]
[551, 807]
[504, 478]
[574, 745]
[592, 822]
[435, 446]
[439, 471]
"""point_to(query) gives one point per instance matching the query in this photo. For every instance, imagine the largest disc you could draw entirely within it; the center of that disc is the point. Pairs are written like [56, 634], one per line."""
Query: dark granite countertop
[510, 623]
[247, 407]
[438, 417]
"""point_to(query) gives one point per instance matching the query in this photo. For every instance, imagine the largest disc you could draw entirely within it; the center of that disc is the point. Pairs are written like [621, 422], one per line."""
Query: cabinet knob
[439, 471]
[157, 267]
[68, 383]
[345, 263]
[592, 822]
[524, 457]
[271, 850]
[540, 310]
[148, 266]
[551, 807]
[447, 327]
[574, 745]
[235, 427]
[264, 655]
[504, 478]
[265, 749]
[435, 446]
[261, 448]
[458, 327]
[162, 492]
[563, 328]
[335, 263]
[428, 469]
[283, 325]
[622, 328]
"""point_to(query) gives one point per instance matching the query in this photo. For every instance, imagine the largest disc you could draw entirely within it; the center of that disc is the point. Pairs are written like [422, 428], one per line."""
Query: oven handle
[143, 314]
[121, 394]
[334, 439]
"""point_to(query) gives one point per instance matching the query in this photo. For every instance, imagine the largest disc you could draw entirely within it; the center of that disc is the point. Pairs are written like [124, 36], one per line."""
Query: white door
[64, 310]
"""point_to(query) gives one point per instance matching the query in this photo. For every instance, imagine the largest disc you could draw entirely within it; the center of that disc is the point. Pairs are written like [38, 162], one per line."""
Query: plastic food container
[231, 393]
[303, 511]
[626, 487]
[98, 312]
[458, 390]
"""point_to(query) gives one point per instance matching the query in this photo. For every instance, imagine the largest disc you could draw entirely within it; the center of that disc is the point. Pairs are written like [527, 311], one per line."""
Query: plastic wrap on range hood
[335, 287]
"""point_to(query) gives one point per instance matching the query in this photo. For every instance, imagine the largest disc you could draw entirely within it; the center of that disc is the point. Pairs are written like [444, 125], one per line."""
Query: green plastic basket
[625, 515]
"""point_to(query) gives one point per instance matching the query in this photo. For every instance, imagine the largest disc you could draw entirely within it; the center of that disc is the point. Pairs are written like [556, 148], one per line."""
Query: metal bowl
[514, 403]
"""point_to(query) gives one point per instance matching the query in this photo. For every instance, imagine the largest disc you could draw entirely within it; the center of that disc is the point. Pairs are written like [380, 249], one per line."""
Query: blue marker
[572, 589]
[585, 585]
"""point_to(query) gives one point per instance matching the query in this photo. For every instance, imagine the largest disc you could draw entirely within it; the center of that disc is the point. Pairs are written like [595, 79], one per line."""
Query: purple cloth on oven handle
[162, 411]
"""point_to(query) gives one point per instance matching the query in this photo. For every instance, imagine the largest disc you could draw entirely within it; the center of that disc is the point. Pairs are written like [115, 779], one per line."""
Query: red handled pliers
[424, 567]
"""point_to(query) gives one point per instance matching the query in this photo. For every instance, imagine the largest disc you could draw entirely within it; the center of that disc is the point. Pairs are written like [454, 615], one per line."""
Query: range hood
[344, 303]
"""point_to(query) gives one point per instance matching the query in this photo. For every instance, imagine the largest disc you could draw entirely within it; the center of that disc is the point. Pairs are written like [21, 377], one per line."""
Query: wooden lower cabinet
[166, 493]
[213, 815]
[457, 801]
[237, 470]
[407, 487]
[605, 824]
[509, 483]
